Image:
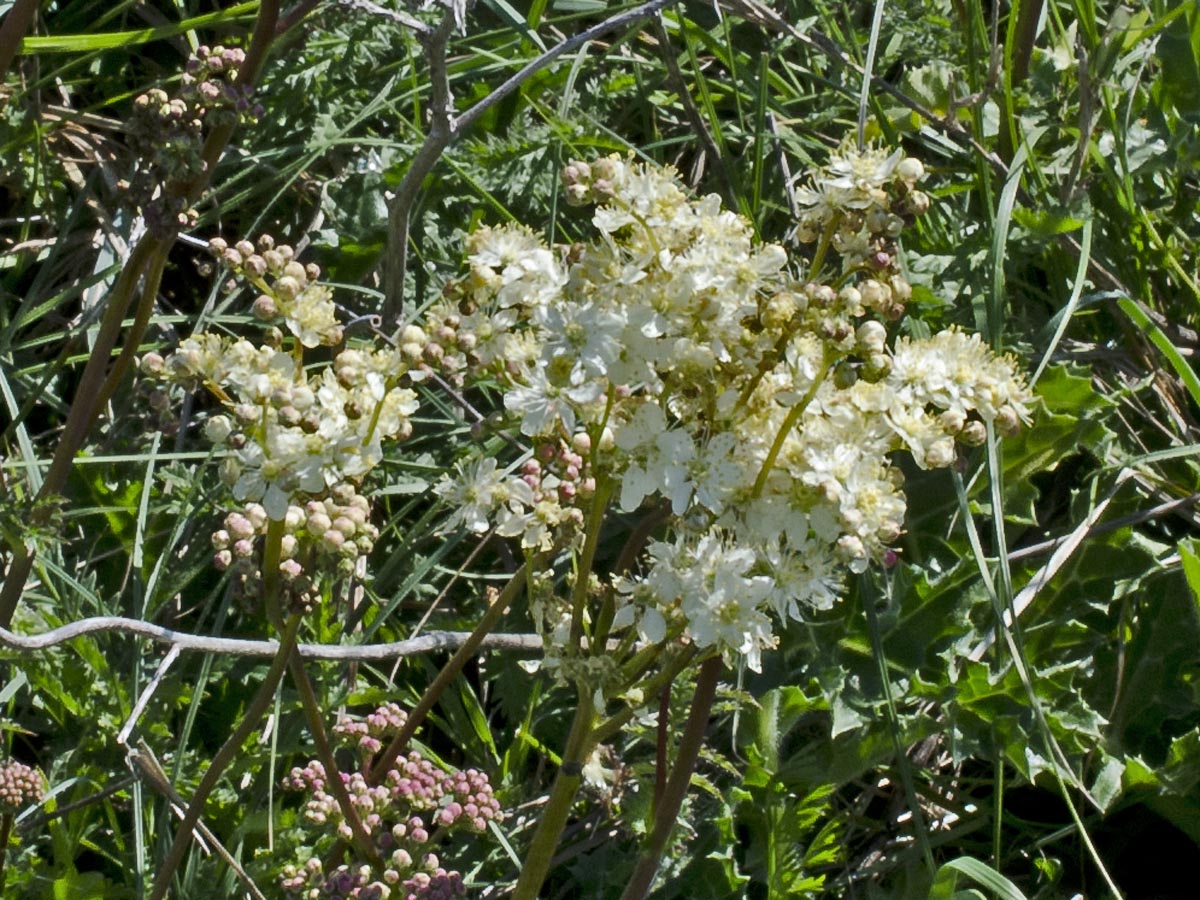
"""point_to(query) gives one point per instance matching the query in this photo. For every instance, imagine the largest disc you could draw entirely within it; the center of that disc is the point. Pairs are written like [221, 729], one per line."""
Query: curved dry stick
[431, 642]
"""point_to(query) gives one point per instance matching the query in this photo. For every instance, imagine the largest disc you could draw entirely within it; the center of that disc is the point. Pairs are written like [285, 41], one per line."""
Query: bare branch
[441, 133]
[620, 20]
[426, 643]
[445, 129]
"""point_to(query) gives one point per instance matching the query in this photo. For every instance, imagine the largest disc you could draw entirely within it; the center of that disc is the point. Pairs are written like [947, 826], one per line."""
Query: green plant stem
[333, 779]
[223, 757]
[667, 811]
[587, 557]
[902, 761]
[789, 423]
[540, 854]
[609, 728]
[823, 247]
[449, 672]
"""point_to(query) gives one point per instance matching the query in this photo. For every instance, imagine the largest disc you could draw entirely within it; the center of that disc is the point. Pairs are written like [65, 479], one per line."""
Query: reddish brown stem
[664, 733]
[13, 30]
[446, 677]
[667, 811]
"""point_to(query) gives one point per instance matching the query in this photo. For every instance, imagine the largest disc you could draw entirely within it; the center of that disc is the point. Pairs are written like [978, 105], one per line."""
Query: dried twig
[426, 643]
[144, 760]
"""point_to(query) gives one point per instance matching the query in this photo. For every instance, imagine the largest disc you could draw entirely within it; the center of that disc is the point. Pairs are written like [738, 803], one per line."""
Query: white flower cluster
[299, 437]
[688, 367]
[294, 432]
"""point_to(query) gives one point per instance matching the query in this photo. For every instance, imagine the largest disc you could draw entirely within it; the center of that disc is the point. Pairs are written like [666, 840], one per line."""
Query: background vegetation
[904, 730]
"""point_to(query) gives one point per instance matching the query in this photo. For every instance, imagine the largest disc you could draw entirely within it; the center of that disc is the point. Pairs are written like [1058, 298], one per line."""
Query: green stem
[611, 726]
[449, 672]
[558, 808]
[587, 557]
[789, 423]
[220, 762]
[677, 785]
[823, 247]
[920, 831]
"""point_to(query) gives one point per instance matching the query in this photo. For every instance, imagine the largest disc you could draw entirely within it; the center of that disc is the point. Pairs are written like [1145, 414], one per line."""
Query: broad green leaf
[947, 876]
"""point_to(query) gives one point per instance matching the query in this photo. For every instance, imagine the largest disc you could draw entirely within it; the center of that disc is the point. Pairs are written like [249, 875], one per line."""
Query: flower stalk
[667, 810]
[224, 756]
[554, 817]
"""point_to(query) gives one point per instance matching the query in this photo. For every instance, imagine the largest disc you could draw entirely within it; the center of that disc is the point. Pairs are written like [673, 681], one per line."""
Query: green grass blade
[1159, 339]
[86, 43]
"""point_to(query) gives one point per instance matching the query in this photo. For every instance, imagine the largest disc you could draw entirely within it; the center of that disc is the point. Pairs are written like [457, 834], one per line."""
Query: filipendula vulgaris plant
[410, 815]
[304, 418]
[746, 406]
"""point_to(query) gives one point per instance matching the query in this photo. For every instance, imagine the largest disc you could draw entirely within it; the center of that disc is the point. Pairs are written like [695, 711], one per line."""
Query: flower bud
[218, 428]
[153, 364]
[940, 454]
[952, 421]
[872, 337]
[910, 169]
[1007, 421]
[287, 288]
[973, 434]
[293, 269]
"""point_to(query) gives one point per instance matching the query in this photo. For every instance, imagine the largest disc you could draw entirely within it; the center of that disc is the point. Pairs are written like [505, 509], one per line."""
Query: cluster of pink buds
[369, 733]
[330, 534]
[20, 785]
[558, 471]
[416, 807]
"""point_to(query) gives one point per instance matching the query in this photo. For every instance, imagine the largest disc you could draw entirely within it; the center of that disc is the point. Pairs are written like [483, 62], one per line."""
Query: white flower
[479, 491]
[545, 405]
